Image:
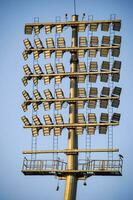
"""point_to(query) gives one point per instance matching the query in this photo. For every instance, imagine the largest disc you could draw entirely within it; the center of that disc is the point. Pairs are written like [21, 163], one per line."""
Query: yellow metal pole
[72, 160]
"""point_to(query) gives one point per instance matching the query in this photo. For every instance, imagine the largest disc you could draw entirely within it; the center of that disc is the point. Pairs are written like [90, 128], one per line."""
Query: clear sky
[13, 138]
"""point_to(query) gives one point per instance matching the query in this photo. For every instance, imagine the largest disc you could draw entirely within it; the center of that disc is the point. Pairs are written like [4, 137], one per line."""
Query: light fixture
[38, 43]
[105, 40]
[48, 94]
[116, 26]
[26, 95]
[61, 42]
[48, 29]
[93, 68]
[25, 121]
[81, 94]
[104, 68]
[91, 119]
[27, 70]
[93, 94]
[105, 26]
[37, 30]
[59, 119]
[104, 118]
[50, 43]
[116, 67]
[83, 42]
[27, 44]
[59, 28]
[48, 120]
[115, 118]
[81, 120]
[81, 68]
[36, 120]
[37, 94]
[117, 40]
[81, 27]
[24, 107]
[38, 69]
[94, 41]
[25, 81]
[116, 93]
[104, 93]
[93, 26]
[25, 55]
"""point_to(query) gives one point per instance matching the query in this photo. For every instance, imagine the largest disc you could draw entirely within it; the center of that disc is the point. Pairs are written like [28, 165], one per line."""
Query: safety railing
[83, 165]
[43, 164]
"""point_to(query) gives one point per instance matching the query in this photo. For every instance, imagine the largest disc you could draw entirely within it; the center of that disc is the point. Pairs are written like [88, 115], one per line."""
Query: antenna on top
[75, 7]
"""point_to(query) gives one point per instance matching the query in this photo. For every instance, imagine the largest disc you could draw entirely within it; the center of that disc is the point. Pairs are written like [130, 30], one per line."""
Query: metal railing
[43, 164]
[83, 165]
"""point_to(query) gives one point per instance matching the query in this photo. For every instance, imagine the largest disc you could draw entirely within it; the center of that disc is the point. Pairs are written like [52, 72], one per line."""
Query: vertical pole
[72, 159]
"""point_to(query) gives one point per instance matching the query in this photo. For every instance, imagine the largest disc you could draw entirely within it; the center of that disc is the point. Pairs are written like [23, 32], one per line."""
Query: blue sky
[13, 184]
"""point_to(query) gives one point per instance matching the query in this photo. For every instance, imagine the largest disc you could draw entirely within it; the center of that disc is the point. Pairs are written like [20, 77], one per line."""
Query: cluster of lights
[57, 128]
[104, 47]
[59, 74]
[90, 45]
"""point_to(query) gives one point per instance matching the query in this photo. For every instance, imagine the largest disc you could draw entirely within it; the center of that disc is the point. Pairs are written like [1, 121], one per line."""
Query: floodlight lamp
[37, 94]
[48, 94]
[50, 43]
[35, 80]
[35, 132]
[116, 26]
[105, 26]
[103, 119]
[60, 68]
[47, 54]
[59, 28]
[25, 121]
[25, 81]
[25, 55]
[83, 42]
[59, 119]
[24, 107]
[61, 42]
[93, 27]
[105, 40]
[59, 93]
[27, 44]
[81, 27]
[35, 106]
[48, 120]
[38, 69]
[91, 120]
[27, 70]
[93, 68]
[49, 69]
[115, 118]
[36, 54]
[94, 41]
[38, 43]
[36, 30]
[117, 40]
[26, 95]
[36, 120]
[48, 29]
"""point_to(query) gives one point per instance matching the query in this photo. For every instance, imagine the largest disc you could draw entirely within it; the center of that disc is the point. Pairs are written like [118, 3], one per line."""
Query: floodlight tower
[73, 170]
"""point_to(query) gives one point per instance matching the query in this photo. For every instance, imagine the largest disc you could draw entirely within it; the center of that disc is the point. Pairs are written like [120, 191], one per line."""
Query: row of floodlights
[93, 26]
[81, 93]
[92, 53]
[60, 69]
[81, 124]
[83, 42]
